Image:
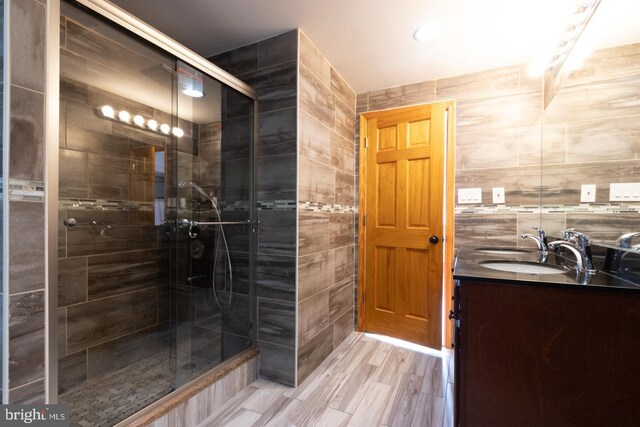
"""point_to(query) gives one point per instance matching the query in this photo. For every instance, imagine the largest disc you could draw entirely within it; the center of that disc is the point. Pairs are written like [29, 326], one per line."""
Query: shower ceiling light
[124, 117]
[191, 81]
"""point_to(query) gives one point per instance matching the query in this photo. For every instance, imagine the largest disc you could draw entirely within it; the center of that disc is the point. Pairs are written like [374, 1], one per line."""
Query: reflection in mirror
[591, 133]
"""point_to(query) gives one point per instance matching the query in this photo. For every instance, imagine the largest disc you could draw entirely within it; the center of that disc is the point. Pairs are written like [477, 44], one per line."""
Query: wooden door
[403, 223]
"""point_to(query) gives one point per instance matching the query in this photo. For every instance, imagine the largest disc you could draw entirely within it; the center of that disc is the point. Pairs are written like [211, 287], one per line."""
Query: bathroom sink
[523, 267]
[503, 251]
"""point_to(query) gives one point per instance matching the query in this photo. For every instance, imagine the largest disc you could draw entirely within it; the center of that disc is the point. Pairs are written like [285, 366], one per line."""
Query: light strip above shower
[138, 121]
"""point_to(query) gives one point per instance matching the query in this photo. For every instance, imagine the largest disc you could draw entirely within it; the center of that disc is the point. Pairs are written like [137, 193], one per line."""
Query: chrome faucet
[624, 241]
[583, 263]
[540, 239]
[580, 239]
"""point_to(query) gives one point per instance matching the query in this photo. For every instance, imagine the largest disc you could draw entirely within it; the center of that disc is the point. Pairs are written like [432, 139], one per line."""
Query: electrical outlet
[624, 192]
[588, 193]
[498, 195]
[469, 195]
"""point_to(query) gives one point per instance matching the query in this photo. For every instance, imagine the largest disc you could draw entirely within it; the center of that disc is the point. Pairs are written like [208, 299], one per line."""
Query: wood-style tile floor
[364, 382]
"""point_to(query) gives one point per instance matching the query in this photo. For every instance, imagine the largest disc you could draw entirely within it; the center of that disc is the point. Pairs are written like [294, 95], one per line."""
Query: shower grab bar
[196, 223]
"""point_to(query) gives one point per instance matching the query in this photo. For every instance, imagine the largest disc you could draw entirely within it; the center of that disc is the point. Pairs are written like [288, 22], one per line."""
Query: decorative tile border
[324, 207]
[105, 205]
[24, 190]
[591, 208]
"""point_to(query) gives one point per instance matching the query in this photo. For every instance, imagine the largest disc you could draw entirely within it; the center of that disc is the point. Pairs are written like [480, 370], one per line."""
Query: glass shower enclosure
[156, 230]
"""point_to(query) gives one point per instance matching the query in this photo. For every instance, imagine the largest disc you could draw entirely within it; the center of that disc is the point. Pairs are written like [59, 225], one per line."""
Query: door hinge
[364, 220]
[366, 142]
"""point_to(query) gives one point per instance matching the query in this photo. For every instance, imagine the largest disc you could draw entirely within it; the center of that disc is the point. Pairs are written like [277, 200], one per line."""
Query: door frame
[448, 217]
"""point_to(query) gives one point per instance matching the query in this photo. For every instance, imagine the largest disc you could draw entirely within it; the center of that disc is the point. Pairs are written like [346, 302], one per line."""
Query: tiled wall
[25, 209]
[315, 139]
[270, 67]
[592, 136]
[114, 265]
[326, 208]
[498, 137]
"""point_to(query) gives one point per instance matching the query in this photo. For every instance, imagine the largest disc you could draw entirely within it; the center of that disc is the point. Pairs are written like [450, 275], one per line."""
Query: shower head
[184, 184]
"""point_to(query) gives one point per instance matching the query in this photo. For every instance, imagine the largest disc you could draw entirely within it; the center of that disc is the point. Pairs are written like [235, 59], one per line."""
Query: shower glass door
[155, 233]
[212, 163]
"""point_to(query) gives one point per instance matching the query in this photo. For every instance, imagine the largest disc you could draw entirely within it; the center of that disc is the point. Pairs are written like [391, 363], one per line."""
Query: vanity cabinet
[530, 354]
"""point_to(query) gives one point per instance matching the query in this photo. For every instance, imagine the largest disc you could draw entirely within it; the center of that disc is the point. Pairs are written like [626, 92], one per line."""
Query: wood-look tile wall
[270, 68]
[309, 167]
[498, 139]
[326, 199]
[26, 238]
[114, 265]
[592, 136]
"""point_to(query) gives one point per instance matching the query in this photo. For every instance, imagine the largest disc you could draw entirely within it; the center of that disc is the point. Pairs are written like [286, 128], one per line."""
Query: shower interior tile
[26, 337]
[26, 224]
[72, 371]
[277, 178]
[277, 132]
[118, 273]
[28, 19]
[275, 277]
[277, 233]
[278, 49]
[276, 321]
[72, 281]
[238, 61]
[27, 135]
[276, 86]
[98, 321]
[277, 363]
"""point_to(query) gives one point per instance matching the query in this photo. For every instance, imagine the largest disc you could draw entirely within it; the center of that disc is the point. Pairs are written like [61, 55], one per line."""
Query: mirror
[591, 132]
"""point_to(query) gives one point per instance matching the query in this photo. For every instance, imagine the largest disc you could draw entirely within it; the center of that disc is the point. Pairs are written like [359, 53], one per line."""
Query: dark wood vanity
[543, 351]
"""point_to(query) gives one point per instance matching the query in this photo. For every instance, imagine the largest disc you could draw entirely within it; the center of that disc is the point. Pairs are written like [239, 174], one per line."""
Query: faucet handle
[540, 231]
[577, 237]
[624, 241]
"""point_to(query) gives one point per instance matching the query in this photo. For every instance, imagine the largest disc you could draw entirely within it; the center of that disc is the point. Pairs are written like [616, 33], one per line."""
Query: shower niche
[156, 221]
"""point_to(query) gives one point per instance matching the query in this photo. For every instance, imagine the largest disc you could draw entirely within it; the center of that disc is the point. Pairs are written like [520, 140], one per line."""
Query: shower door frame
[52, 122]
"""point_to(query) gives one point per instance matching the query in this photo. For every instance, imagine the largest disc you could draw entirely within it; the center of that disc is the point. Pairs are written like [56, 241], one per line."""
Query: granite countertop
[467, 266]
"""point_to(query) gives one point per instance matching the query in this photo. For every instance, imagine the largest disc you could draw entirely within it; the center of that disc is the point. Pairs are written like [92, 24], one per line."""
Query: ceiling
[370, 42]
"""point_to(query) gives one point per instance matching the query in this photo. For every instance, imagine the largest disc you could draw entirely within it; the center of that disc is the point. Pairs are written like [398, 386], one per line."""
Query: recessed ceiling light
[428, 32]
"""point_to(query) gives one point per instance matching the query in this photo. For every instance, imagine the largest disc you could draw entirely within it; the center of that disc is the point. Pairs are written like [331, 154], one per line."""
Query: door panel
[404, 177]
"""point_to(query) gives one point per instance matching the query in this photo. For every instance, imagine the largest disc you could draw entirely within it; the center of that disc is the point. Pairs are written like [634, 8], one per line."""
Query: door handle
[434, 239]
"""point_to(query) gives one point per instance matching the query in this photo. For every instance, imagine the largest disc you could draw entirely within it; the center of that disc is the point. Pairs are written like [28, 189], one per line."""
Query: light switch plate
[588, 193]
[469, 195]
[498, 195]
[624, 192]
